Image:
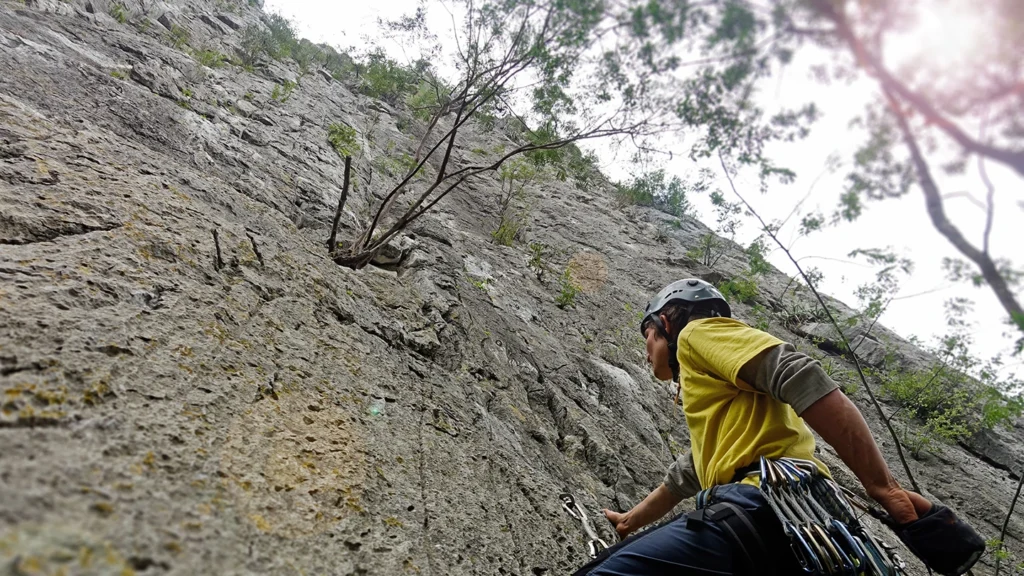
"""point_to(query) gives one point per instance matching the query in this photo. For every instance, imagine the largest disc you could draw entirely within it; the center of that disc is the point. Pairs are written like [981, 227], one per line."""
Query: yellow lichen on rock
[291, 470]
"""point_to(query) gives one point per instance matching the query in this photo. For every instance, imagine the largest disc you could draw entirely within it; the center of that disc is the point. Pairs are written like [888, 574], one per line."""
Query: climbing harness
[594, 543]
[824, 533]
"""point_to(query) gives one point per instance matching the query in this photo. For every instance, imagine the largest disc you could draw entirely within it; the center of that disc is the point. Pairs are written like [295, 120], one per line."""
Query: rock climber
[746, 394]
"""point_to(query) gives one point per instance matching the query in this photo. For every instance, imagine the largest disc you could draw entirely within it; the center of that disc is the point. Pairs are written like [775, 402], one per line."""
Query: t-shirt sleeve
[791, 377]
[721, 346]
[681, 478]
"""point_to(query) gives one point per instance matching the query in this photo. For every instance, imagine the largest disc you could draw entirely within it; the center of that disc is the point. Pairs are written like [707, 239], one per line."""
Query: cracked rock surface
[188, 385]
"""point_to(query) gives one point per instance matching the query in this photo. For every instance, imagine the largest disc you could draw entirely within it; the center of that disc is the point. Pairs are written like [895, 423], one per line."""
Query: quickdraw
[824, 533]
[595, 544]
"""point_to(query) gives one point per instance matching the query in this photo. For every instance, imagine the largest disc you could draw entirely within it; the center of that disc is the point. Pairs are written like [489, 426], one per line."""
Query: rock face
[190, 386]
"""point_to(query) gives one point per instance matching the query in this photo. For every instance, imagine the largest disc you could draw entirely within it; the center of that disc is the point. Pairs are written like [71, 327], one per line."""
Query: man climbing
[747, 395]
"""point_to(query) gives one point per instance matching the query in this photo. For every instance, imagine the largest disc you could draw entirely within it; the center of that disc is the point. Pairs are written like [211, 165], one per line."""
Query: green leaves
[850, 207]
[875, 296]
[655, 190]
[432, 94]
[959, 394]
[811, 223]
[736, 29]
[568, 290]
[387, 80]
[283, 91]
[756, 253]
[343, 139]
[877, 170]
[736, 44]
[960, 270]
[739, 290]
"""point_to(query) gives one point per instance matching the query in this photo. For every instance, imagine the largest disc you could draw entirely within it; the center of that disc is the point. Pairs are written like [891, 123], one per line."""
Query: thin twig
[965, 195]
[835, 324]
[1006, 522]
[990, 198]
[989, 202]
[417, 209]
[865, 335]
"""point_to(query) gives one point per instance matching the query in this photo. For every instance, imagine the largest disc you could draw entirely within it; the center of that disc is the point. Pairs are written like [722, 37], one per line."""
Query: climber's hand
[945, 543]
[902, 505]
[620, 520]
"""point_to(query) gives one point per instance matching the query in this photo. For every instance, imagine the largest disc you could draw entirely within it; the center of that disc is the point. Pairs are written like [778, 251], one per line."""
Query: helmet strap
[673, 362]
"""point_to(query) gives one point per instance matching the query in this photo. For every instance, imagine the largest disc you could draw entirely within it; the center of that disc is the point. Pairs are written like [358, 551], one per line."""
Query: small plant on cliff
[954, 398]
[744, 288]
[508, 229]
[536, 263]
[568, 290]
[567, 163]
[479, 284]
[708, 251]
[254, 44]
[514, 176]
[387, 80]
[282, 92]
[119, 12]
[343, 139]
[228, 6]
[210, 58]
[655, 190]
[307, 55]
[739, 290]
[283, 40]
[178, 37]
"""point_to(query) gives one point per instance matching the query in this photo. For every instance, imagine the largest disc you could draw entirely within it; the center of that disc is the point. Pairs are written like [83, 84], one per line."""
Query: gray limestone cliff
[190, 386]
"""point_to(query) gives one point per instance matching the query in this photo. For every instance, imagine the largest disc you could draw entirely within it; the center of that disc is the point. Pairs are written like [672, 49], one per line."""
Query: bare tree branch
[967, 196]
[418, 208]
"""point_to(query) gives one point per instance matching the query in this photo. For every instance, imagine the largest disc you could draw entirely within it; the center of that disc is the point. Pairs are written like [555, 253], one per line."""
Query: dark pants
[681, 548]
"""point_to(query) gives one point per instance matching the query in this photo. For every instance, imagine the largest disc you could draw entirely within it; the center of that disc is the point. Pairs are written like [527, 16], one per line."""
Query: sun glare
[947, 33]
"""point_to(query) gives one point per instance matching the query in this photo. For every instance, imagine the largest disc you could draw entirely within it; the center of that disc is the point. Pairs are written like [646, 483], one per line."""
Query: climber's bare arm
[659, 502]
[799, 380]
[841, 424]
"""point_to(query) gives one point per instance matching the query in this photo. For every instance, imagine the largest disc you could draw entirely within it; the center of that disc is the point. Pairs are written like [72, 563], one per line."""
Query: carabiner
[805, 556]
[847, 542]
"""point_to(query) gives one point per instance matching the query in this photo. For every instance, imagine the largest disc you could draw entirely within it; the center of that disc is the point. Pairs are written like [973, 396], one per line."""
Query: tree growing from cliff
[932, 117]
[563, 68]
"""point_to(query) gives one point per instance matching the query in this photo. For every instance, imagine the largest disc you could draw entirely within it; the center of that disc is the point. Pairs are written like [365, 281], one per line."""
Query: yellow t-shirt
[732, 424]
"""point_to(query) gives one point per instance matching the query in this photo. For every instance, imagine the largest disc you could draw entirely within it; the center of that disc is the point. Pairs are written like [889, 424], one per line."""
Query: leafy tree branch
[934, 204]
[499, 44]
[893, 86]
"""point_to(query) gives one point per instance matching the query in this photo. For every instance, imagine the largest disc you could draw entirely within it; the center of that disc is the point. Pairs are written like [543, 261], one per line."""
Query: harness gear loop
[825, 535]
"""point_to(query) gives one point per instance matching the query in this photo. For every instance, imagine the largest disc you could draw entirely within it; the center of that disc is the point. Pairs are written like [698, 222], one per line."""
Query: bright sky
[902, 224]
